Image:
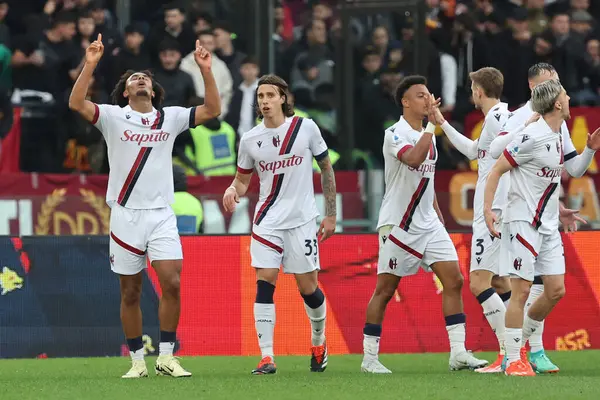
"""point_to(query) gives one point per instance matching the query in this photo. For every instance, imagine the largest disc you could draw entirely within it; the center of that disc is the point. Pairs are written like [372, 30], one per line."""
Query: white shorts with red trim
[402, 253]
[296, 248]
[137, 233]
[485, 248]
[529, 253]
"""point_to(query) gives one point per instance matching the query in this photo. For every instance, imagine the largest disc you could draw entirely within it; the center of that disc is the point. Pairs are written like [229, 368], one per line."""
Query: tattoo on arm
[328, 185]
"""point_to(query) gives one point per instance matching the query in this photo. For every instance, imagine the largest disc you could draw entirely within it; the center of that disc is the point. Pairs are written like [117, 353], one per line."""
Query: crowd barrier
[58, 298]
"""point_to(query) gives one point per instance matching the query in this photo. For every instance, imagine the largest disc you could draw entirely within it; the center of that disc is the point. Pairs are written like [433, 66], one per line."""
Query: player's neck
[554, 121]
[415, 122]
[488, 104]
[141, 105]
[275, 121]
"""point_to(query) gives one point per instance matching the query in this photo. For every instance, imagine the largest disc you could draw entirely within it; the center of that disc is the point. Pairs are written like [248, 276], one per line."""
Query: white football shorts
[485, 248]
[135, 234]
[530, 253]
[402, 253]
[296, 248]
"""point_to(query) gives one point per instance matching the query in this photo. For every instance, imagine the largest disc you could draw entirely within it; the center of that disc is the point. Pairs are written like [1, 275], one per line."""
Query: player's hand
[491, 219]
[593, 140]
[569, 218]
[94, 51]
[230, 198]
[203, 57]
[533, 118]
[326, 229]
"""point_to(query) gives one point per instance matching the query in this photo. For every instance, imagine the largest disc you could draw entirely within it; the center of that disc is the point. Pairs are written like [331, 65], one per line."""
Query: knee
[130, 296]
[556, 293]
[520, 294]
[384, 292]
[476, 285]
[171, 285]
[455, 284]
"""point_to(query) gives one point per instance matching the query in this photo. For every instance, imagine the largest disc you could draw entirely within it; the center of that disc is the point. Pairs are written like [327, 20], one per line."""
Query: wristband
[430, 128]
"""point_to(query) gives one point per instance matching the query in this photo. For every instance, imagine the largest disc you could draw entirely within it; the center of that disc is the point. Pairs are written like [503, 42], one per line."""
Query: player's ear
[153, 94]
[125, 94]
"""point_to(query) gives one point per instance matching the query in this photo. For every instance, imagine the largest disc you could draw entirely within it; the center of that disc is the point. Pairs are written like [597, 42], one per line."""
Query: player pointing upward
[281, 149]
[140, 135]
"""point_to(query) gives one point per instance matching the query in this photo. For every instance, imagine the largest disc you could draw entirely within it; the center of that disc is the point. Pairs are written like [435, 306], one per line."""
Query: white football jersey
[282, 157]
[140, 150]
[537, 157]
[492, 126]
[521, 116]
[409, 192]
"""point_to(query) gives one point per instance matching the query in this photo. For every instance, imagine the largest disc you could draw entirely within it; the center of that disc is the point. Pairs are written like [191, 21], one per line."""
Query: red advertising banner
[47, 204]
[220, 322]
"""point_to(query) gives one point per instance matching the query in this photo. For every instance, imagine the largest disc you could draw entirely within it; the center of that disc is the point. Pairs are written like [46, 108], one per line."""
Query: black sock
[168, 337]
[135, 344]
[372, 329]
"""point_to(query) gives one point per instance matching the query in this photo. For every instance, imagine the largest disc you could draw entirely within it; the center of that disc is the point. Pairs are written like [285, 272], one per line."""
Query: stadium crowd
[42, 44]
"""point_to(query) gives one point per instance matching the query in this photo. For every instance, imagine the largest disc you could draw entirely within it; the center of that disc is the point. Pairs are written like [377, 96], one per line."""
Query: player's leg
[301, 258]
[501, 285]
[537, 289]
[128, 260]
[551, 266]
[397, 258]
[523, 249]
[441, 257]
[166, 255]
[266, 249]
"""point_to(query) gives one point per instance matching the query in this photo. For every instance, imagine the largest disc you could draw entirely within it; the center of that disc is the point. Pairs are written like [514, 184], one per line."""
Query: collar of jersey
[131, 110]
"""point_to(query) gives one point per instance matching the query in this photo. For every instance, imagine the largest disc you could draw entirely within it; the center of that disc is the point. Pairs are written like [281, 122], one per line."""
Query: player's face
[269, 100]
[139, 84]
[563, 100]
[476, 93]
[415, 99]
[543, 77]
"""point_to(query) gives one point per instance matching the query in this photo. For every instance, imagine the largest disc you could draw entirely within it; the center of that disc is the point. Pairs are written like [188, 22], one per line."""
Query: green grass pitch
[415, 376]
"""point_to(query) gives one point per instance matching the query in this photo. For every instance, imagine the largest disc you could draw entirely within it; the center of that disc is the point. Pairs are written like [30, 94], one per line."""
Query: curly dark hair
[117, 93]
[287, 106]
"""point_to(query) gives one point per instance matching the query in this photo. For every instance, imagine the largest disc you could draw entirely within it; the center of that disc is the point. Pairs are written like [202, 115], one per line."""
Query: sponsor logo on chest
[145, 138]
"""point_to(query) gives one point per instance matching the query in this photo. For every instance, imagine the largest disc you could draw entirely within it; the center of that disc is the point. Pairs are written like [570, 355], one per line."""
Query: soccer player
[281, 149]
[140, 135]
[411, 231]
[575, 164]
[534, 160]
[486, 85]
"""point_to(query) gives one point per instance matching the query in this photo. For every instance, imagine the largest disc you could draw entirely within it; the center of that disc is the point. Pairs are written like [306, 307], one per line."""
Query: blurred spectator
[202, 22]
[180, 85]
[105, 25]
[227, 52]
[582, 24]
[310, 72]
[4, 31]
[538, 21]
[242, 113]
[518, 53]
[132, 55]
[173, 27]
[219, 70]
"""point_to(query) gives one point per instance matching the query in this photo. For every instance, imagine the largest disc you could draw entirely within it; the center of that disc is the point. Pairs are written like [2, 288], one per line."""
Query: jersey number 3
[311, 247]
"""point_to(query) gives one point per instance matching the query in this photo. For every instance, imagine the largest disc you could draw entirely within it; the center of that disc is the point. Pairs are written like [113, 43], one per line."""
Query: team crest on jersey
[145, 121]
[393, 263]
[276, 141]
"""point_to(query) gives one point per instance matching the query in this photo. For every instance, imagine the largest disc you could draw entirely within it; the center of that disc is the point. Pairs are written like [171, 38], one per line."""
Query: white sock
[317, 317]
[371, 347]
[166, 348]
[495, 312]
[264, 321]
[457, 335]
[535, 340]
[530, 327]
[514, 342]
[137, 355]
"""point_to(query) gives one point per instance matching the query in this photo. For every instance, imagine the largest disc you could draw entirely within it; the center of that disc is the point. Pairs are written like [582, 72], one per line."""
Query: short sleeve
[520, 150]
[184, 118]
[104, 115]
[245, 162]
[511, 122]
[317, 144]
[568, 147]
[397, 144]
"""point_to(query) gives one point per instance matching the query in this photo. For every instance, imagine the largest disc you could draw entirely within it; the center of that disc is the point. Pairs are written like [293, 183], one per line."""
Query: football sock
[264, 317]
[514, 338]
[530, 327]
[494, 311]
[455, 325]
[167, 343]
[316, 309]
[136, 348]
[506, 298]
[372, 335]
[535, 340]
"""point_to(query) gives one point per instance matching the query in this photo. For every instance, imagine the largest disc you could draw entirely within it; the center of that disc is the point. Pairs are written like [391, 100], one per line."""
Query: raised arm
[414, 156]
[462, 143]
[504, 138]
[77, 100]
[212, 101]
[577, 164]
